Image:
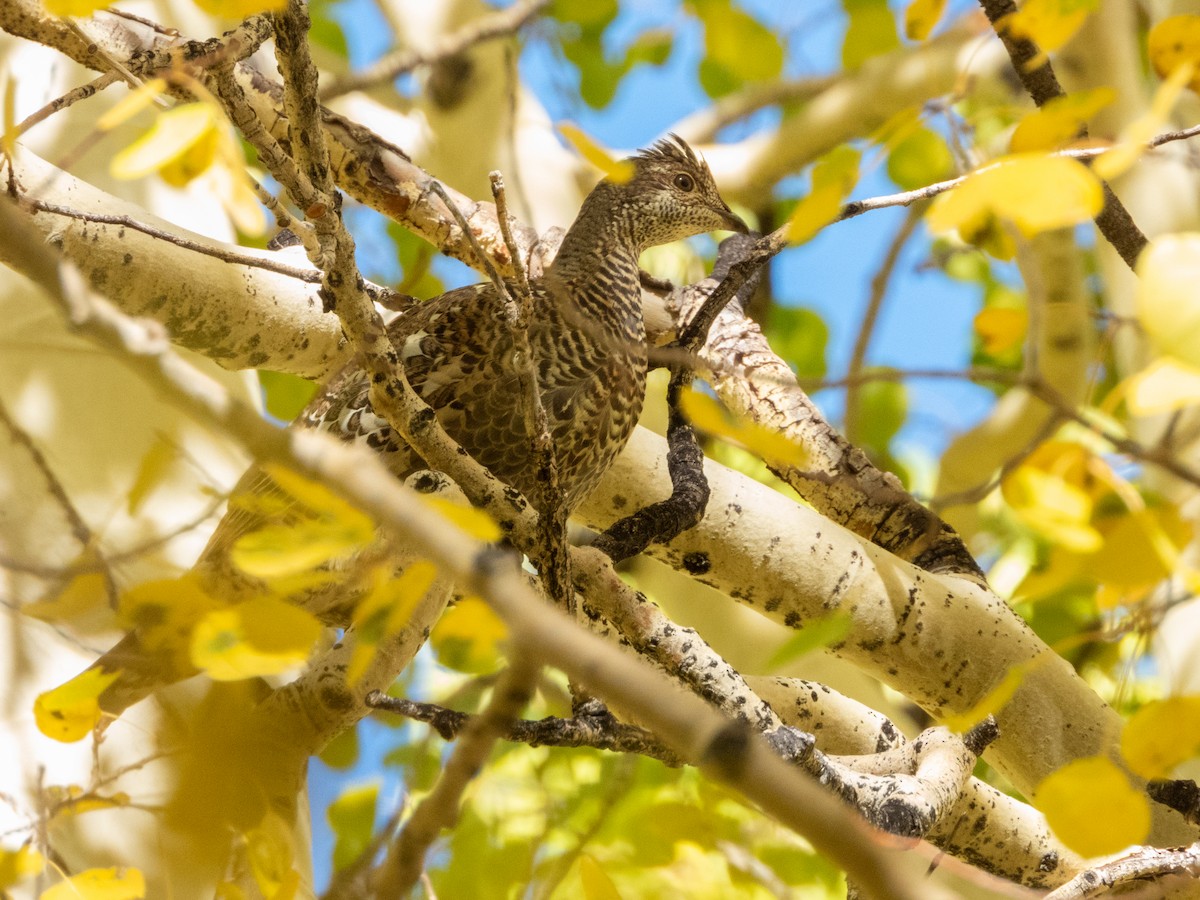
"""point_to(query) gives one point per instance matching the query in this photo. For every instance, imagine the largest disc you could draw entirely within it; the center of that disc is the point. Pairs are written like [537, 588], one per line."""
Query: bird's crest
[672, 148]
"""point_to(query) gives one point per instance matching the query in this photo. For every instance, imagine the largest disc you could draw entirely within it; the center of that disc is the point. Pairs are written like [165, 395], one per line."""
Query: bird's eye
[684, 182]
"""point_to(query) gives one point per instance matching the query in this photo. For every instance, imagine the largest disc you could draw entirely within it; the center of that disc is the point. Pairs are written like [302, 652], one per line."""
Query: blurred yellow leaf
[151, 472]
[1092, 807]
[263, 636]
[72, 800]
[1049, 23]
[282, 551]
[920, 18]
[617, 171]
[1001, 328]
[993, 702]
[100, 884]
[86, 593]
[164, 612]
[239, 9]
[468, 637]
[1058, 122]
[1167, 302]
[140, 98]
[386, 609]
[474, 521]
[1173, 43]
[1035, 193]
[1132, 143]
[271, 850]
[1053, 507]
[833, 177]
[1161, 735]
[596, 883]
[8, 140]
[70, 711]
[17, 865]
[76, 7]
[1141, 548]
[709, 416]
[1163, 386]
[180, 145]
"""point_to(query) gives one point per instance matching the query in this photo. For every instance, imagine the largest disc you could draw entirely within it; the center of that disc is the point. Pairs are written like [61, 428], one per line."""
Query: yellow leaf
[1167, 302]
[1134, 136]
[282, 551]
[319, 499]
[1163, 386]
[617, 171]
[386, 609]
[117, 883]
[17, 865]
[1049, 23]
[1001, 328]
[86, 593]
[151, 472]
[141, 97]
[596, 883]
[1092, 807]
[239, 9]
[993, 701]
[180, 144]
[1173, 43]
[1058, 122]
[834, 176]
[1161, 735]
[709, 416]
[474, 521]
[72, 800]
[1141, 548]
[920, 18]
[263, 636]
[76, 7]
[69, 712]
[164, 612]
[468, 637]
[8, 142]
[1035, 193]
[271, 850]
[1053, 507]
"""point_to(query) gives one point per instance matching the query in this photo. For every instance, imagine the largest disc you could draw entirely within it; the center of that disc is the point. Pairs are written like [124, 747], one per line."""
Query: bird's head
[672, 195]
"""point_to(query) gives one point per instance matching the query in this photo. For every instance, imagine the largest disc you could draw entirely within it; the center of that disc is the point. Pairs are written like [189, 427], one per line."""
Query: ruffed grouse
[588, 344]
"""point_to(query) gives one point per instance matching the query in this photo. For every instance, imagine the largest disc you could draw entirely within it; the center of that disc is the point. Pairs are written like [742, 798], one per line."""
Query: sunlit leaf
[921, 16]
[99, 884]
[151, 472]
[870, 31]
[1161, 735]
[70, 711]
[468, 637]
[279, 551]
[1049, 23]
[286, 395]
[1132, 143]
[262, 636]
[1058, 122]
[1035, 193]
[834, 176]
[993, 702]
[1001, 328]
[1168, 304]
[180, 145]
[17, 865]
[76, 7]
[1092, 807]
[1173, 43]
[737, 48]
[470, 519]
[85, 593]
[72, 800]
[239, 9]
[140, 98]
[352, 818]
[1141, 548]
[1163, 386]
[1053, 507]
[919, 158]
[595, 881]
[823, 632]
[709, 416]
[617, 171]
[385, 610]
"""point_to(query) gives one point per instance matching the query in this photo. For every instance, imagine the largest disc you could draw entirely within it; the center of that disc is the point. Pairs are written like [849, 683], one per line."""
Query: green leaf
[823, 632]
[872, 31]
[883, 407]
[738, 48]
[342, 751]
[415, 255]
[352, 818]
[919, 159]
[800, 336]
[588, 14]
[285, 395]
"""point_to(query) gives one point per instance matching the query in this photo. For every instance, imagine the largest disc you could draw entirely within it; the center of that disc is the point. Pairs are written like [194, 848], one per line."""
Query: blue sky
[926, 318]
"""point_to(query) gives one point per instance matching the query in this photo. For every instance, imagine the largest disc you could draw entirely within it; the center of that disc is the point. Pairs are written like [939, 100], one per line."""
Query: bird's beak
[732, 220]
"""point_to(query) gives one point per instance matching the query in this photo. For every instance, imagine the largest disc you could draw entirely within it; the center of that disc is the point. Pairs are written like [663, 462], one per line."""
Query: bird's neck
[598, 263]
